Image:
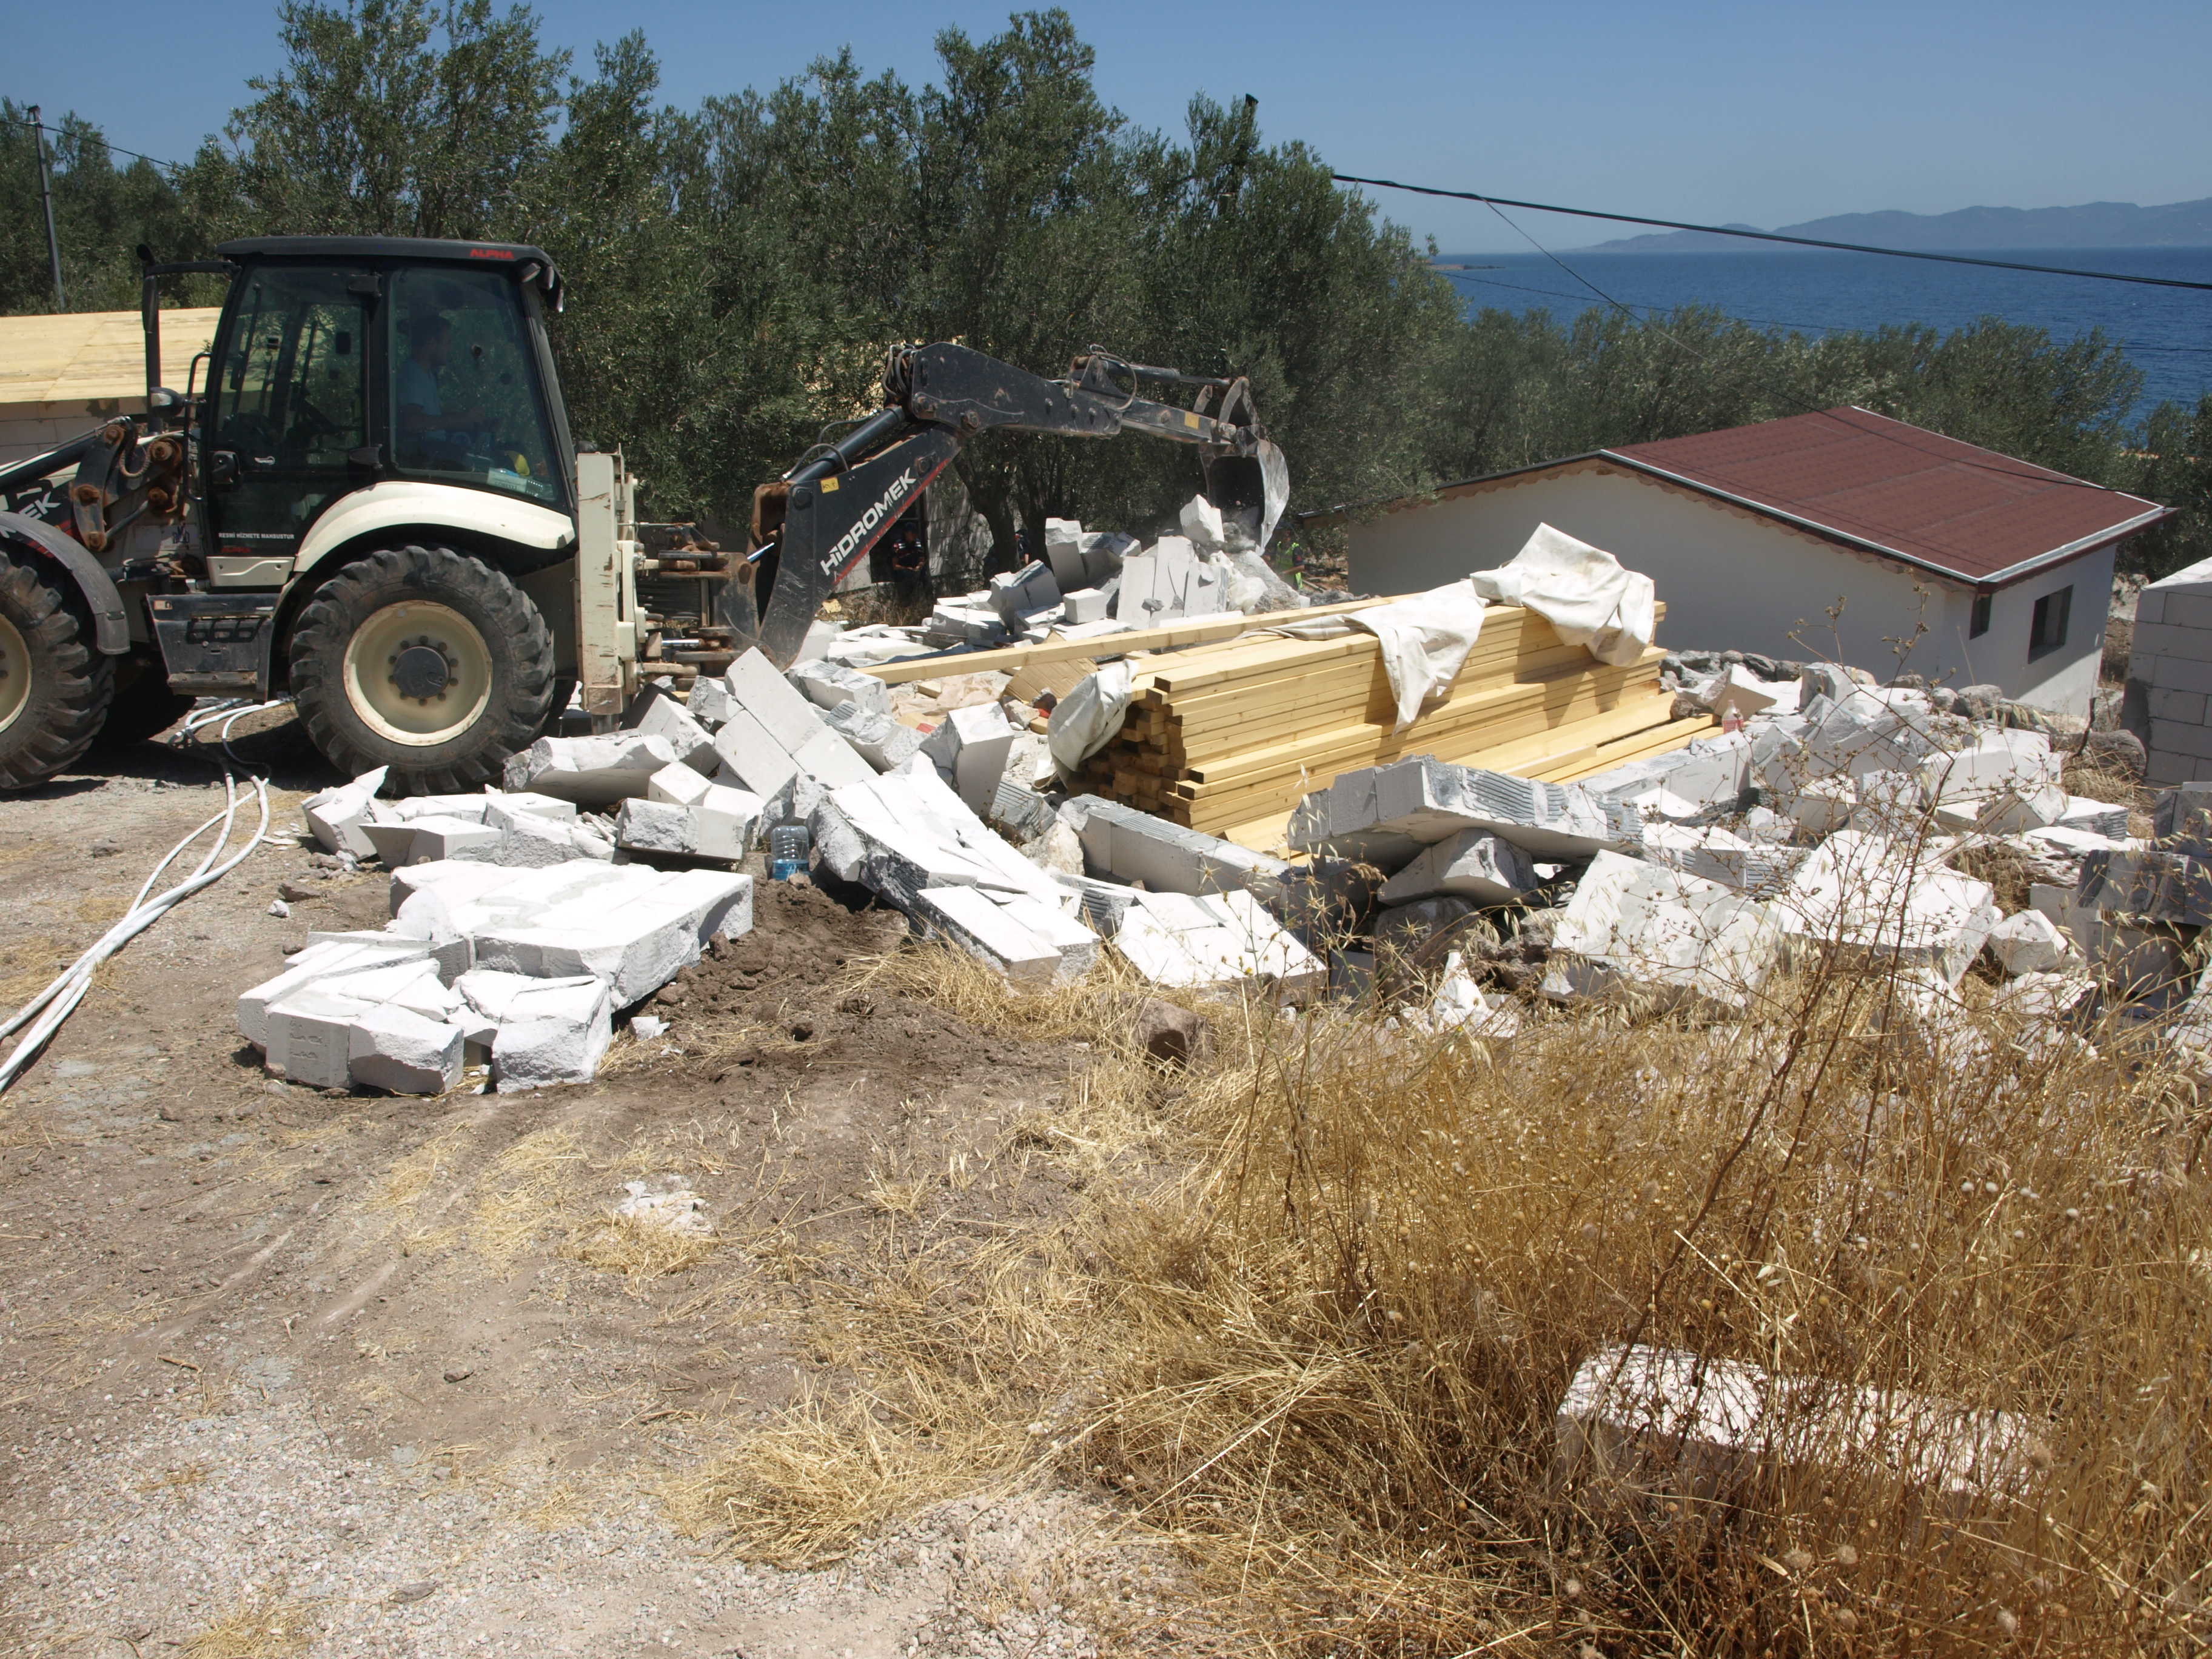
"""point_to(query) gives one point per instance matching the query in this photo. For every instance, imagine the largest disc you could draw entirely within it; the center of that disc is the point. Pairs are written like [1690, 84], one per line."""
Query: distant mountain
[2094, 224]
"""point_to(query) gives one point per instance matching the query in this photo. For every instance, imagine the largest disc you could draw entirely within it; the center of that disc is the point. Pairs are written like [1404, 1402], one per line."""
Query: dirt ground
[288, 1371]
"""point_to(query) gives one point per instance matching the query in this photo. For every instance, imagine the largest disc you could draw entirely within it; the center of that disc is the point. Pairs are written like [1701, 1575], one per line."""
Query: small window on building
[2047, 631]
[1980, 623]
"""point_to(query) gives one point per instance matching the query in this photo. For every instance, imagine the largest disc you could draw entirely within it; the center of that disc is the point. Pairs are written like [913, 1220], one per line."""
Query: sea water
[2166, 332]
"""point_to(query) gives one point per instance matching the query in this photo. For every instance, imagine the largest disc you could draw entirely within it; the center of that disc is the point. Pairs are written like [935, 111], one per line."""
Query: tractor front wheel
[54, 687]
[424, 661]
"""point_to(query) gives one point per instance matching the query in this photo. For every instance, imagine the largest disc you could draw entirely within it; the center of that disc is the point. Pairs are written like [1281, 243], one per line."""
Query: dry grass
[267, 1625]
[1337, 1354]
[638, 1250]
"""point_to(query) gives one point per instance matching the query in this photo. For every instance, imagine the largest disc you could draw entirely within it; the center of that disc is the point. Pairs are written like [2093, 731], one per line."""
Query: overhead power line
[1496, 202]
[94, 138]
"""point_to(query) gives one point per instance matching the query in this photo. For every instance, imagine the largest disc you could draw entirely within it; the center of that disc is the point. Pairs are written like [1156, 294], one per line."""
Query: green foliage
[736, 273]
[102, 212]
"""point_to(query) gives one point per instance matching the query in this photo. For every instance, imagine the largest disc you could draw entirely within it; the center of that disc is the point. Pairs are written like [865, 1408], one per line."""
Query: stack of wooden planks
[1227, 737]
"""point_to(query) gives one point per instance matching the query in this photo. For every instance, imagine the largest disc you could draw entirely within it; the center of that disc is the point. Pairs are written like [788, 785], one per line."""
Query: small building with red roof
[1839, 534]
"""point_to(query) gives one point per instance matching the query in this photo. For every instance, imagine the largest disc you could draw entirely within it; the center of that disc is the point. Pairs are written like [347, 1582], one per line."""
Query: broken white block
[830, 761]
[1660, 936]
[321, 959]
[636, 940]
[1219, 938]
[596, 771]
[987, 931]
[1738, 691]
[2098, 818]
[969, 749]
[828, 684]
[1084, 606]
[1693, 1423]
[662, 716]
[1104, 551]
[1869, 895]
[425, 840]
[530, 842]
[1133, 846]
[2030, 943]
[783, 710]
[678, 785]
[1999, 759]
[1019, 595]
[1063, 552]
[1476, 864]
[335, 816]
[542, 1031]
[751, 758]
[721, 824]
[405, 1053]
[1385, 815]
[310, 1038]
[907, 831]
[501, 807]
[409, 807]
[877, 738]
[710, 702]
[1200, 520]
[2014, 811]
[671, 1204]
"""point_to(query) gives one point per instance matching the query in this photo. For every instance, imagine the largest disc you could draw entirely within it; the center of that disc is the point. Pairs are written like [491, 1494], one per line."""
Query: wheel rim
[14, 673]
[417, 673]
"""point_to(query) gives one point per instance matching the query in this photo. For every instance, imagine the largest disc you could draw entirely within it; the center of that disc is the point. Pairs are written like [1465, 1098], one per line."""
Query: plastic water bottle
[788, 848]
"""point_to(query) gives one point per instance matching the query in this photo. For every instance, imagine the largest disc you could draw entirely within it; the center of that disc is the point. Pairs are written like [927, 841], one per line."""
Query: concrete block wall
[2169, 695]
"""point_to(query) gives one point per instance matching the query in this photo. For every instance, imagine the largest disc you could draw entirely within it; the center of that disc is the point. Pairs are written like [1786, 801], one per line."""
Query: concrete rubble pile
[1833, 823]
[1090, 585]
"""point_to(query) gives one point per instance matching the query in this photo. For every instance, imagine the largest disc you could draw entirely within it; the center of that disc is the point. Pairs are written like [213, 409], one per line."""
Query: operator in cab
[426, 429]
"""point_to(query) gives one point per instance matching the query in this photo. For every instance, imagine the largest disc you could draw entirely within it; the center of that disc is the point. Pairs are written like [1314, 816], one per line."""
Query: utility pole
[47, 197]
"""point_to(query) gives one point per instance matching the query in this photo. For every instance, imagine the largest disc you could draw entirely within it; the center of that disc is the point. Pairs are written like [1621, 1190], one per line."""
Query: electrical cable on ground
[45, 1013]
[1495, 203]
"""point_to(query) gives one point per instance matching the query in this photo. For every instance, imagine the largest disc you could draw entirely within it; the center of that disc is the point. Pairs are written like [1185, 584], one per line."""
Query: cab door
[291, 423]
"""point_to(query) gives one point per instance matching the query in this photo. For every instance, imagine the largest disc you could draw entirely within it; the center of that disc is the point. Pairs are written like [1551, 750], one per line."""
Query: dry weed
[266, 1625]
[1336, 1352]
[637, 1249]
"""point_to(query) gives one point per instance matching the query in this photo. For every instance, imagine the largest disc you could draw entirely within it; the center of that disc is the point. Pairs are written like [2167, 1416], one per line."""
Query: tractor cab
[345, 363]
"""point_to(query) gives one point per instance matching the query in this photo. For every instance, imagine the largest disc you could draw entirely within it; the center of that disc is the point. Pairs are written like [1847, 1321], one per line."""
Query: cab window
[290, 394]
[465, 402]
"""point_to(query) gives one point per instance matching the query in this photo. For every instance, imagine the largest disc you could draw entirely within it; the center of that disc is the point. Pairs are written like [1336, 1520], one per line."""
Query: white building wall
[1731, 579]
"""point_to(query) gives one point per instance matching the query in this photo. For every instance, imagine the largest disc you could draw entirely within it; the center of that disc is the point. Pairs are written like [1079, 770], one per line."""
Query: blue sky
[1765, 113]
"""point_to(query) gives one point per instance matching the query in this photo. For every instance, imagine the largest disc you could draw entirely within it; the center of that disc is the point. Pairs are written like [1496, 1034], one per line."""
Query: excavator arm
[812, 526]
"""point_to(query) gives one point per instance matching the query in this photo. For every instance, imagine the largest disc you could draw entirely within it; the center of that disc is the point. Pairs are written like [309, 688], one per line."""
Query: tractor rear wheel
[424, 661]
[54, 687]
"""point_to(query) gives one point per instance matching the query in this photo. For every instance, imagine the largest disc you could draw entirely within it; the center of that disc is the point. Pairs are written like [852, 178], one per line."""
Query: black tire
[518, 662]
[70, 684]
[144, 708]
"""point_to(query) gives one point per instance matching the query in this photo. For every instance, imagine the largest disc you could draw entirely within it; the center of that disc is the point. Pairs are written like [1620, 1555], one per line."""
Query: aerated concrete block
[655, 713]
[334, 817]
[2103, 818]
[721, 824]
[1385, 815]
[1660, 938]
[751, 758]
[1666, 1421]
[1868, 894]
[310, 1038]
[636, 940]
[321, 960]
[2015, 760]
[529, 843]
[970, 749]
[1133, 846]
[906, 831]
[1759, 868]
[2014, 811]
[1476, 864]
[409, 807]
[710, 702]
[1104, 552]
[548, 1031]
[830, 761]
[501, 807]
[596, 771]
[403, 1053]
[427, 840]
[1018, 595]
[678, 785]
[879, 739]
[1084, 606]
[783, 710]
[1221, 938]
[827, 685]
[989, 931]
[2030, 943]
[1063, 552]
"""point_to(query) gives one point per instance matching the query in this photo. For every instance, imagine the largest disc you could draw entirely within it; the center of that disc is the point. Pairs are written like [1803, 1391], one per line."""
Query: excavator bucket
[1251, 490]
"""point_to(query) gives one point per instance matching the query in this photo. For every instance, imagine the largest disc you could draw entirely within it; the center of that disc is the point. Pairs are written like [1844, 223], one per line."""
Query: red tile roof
[1968, 512]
